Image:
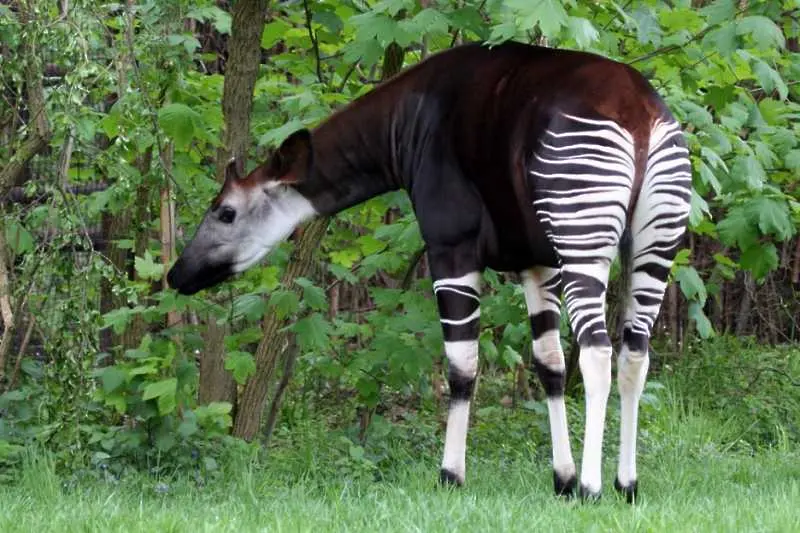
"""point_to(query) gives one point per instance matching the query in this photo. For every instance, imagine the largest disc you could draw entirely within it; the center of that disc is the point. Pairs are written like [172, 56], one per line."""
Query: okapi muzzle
[247, 219]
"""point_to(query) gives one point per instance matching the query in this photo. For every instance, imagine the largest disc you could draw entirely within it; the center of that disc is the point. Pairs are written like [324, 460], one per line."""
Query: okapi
[517, 158]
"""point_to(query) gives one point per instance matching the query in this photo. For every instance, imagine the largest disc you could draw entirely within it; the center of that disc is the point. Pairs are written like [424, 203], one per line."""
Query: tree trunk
[274, 340]
[37, 140]
[290, 356]
[241, 72]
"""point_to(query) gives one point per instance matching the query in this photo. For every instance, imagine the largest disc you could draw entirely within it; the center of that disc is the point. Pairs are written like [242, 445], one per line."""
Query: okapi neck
[352, 155]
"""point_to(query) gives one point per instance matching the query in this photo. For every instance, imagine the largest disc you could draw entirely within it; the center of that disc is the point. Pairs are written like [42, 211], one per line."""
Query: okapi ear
[234, 169]
[291, 163]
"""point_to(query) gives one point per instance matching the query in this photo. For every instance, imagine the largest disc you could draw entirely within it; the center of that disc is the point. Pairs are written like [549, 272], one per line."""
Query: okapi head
[248, 217]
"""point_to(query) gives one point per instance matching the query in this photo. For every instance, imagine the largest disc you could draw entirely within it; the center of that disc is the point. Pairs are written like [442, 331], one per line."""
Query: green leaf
[426, 21]
[165, 387]
[274, 32]
[112, 377]
[284, 303]
[219, 18]
[178, 121]
[737, 229]
[511, 357]
[769, 79]
[219, 408]
[313, 296]
[707, 176]
[792, 160]
[764, 32]
[329, 20]
[188, 427]
[382, 28]
[18, 238]
[549, 15]
[166, 404]
[370, 245]
[583, 31]
[276, 136]
[147, 268]
[392, 7]
[241, 364]
[773, 217]
[719, 11]
[251, 306]
[760, 259]
[648, 30]
[704, 327]
[691, 284]
[312, 332]
[468, 18]
[722, 39]
[749, 169]
[699, 208]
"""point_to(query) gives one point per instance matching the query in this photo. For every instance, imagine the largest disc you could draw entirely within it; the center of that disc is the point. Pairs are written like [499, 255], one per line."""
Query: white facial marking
[282, 210]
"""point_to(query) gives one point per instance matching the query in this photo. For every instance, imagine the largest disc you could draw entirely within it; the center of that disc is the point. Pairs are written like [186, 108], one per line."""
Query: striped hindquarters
[658, 224]
[583, 171]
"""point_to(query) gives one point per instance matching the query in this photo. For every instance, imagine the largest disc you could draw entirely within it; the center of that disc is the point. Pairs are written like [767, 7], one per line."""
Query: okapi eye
[226, 215]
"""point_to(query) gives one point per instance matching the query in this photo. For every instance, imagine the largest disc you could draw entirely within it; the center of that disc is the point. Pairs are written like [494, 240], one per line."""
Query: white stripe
[461, 321]
[472, 279]
[452, 289]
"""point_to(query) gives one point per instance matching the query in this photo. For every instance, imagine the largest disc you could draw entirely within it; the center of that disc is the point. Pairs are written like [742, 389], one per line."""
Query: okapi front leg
[543, 299]
[459, 311]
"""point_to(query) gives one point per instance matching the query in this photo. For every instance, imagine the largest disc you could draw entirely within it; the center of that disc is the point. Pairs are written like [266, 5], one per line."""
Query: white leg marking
[463, 358]
[563, 463]
[547, 350]
[595, 363]
[631, 374]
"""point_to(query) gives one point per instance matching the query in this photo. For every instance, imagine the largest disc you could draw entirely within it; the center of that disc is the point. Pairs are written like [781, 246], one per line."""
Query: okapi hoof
[588, 495]
[565, 487]
[630, 490]
[449, 479]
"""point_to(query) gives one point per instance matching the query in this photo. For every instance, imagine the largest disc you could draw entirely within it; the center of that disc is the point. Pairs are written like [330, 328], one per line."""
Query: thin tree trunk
[745, 307]
[254, 392]
[212, 366]
[167, 219]
[21, 353]
[241, 73]
[9, 324]
[37, 140]
[288, 371]
[140, 216]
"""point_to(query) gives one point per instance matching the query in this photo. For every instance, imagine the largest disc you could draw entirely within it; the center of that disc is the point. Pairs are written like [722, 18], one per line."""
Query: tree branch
[314, 42]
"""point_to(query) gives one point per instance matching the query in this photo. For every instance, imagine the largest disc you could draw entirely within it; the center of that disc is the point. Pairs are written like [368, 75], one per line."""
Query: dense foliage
[108, 367]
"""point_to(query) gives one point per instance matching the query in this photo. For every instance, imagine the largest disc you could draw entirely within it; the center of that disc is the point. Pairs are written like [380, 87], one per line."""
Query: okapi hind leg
[657, 226]
[543, 298]
[582, 171]
[459, 310]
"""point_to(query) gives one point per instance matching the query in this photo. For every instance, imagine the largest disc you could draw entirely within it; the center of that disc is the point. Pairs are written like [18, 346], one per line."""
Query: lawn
[694, 476]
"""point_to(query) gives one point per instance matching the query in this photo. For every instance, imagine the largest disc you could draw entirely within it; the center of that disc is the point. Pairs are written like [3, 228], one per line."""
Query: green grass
[694, 476]
[732, 493]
